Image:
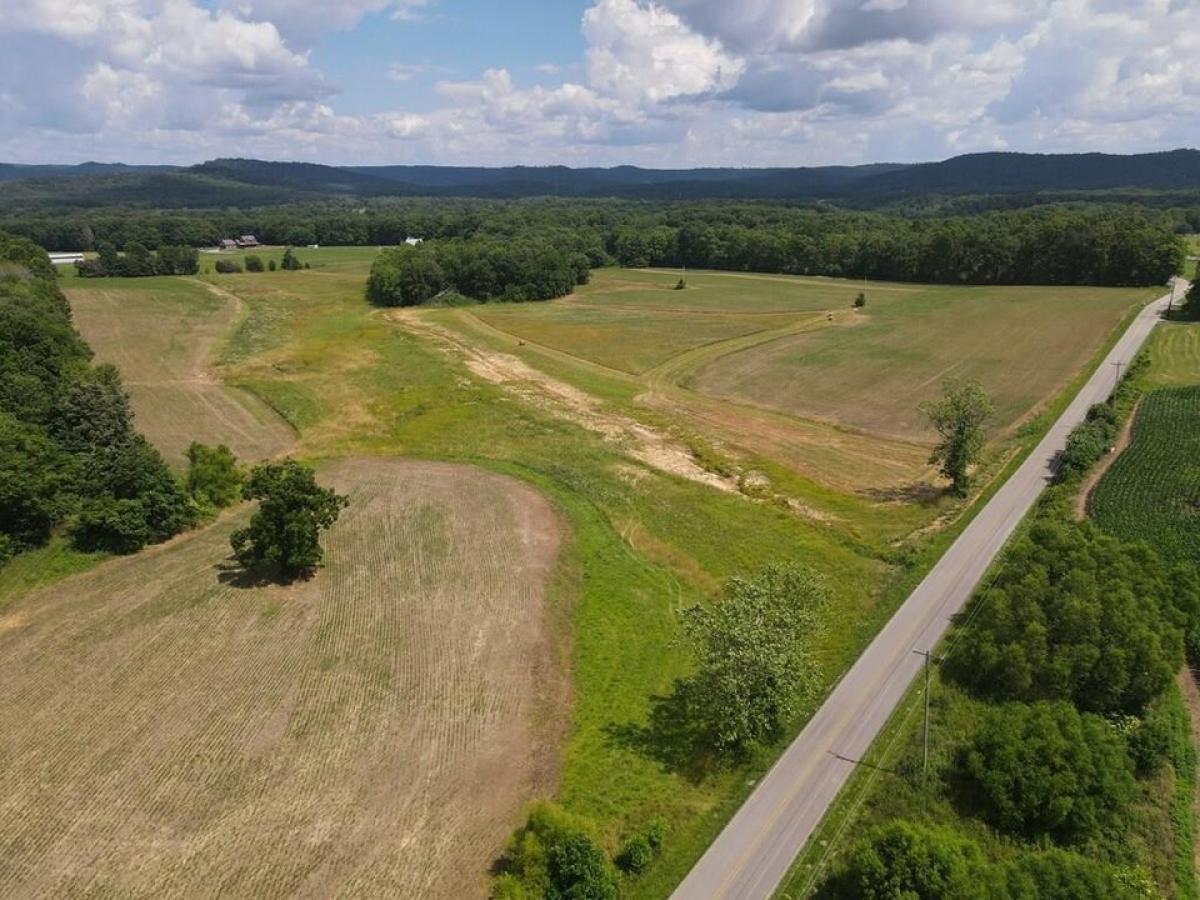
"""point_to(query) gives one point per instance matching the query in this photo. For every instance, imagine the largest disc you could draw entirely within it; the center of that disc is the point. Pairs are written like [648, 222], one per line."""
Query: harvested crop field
[162, 333]
[167, 730]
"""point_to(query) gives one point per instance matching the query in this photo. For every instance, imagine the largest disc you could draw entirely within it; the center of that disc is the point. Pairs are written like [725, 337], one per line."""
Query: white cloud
[645, 53]
[660, 82]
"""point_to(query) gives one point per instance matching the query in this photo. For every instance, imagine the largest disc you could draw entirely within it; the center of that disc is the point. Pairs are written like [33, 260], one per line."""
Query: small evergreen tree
[289, 262]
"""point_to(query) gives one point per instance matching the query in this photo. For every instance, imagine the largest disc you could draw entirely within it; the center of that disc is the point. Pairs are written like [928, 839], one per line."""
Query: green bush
[213, 476]
[1044, 769]
[1090, 440]
[254, 263]
[111, 525]
[640, 848]
[271, 265]
[1061, 875]
[905, 861]
[227, 266]
[1150, 739]
[555, 856]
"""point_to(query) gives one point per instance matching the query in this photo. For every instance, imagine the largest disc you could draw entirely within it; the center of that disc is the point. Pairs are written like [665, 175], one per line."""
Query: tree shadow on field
[921, 493]
[673, 735]
[234, 574]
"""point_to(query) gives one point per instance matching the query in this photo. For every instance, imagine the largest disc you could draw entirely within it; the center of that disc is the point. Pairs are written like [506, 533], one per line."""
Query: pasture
[375, 731]
[161, 334]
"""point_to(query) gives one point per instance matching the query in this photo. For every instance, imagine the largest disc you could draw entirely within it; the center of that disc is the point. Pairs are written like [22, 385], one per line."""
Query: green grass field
[1022, 344]
[1175, 354]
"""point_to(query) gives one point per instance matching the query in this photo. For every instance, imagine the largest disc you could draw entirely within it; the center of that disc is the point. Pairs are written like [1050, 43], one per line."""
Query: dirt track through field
[375, 731]
[641, 442]
[163, 342]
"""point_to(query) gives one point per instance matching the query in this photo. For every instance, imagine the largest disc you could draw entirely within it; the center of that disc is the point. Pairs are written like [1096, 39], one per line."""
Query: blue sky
[593, 82]
[458, 40]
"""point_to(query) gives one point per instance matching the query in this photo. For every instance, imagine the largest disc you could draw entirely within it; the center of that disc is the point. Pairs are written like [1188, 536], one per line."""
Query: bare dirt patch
[375, 731]
[641, 442]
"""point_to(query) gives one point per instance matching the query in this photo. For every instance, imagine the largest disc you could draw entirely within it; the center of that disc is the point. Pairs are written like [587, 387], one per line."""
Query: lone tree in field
[958, 417]
[293, 509]
[753, 654]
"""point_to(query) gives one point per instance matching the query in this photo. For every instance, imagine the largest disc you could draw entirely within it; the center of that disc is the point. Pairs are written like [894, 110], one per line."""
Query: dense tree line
[480, 269]
[916, 862]
[1077, 615]
[138, 261]
[1111, 245]
[68, 450]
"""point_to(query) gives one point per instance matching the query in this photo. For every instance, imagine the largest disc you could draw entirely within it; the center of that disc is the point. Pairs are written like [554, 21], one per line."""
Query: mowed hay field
[1174, 350]
[374, 731]
[871, 371]
[160, 332]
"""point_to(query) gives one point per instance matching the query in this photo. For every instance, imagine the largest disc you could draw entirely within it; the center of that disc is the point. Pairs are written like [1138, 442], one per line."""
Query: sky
[663, 83]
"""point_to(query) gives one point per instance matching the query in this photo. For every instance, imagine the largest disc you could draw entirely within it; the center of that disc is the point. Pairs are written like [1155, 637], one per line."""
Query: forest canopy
[1101, 244]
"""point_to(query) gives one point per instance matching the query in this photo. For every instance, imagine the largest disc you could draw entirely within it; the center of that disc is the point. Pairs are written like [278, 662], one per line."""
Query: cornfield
[1152, 491]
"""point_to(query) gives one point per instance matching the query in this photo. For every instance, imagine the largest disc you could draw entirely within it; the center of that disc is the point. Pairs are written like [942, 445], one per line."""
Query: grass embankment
[890, 784]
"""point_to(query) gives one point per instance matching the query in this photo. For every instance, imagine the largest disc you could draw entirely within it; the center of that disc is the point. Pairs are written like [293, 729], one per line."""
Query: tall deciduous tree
[753, 654]
[958, 417]
[293, 510]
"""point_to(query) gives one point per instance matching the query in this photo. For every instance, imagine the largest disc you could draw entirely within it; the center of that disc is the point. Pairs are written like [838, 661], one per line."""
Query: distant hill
[248, 182]
[311, 178]
[623, 181]
[980, 173]
[19, 172]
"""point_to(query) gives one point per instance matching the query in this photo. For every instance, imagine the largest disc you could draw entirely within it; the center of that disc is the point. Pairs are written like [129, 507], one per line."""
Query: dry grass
[1024, 344]
[374, 731]
[161, 334]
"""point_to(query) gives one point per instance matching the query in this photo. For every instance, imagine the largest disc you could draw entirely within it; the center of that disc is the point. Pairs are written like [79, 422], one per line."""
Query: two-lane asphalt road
[752, 854]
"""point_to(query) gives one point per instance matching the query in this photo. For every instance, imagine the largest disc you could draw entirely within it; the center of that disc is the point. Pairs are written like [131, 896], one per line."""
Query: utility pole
[1117, 386]
[928, 654]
